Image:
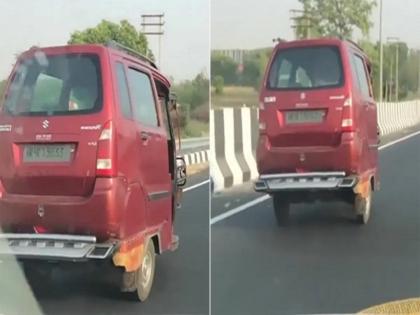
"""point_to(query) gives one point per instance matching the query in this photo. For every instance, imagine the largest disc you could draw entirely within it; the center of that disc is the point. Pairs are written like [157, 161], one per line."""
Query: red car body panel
[134, 203]
[323, 146]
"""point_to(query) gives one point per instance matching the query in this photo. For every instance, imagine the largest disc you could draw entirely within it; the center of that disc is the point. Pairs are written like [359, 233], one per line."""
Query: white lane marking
[266, 197]
[196, 185]
[238, 209]
[399, 140]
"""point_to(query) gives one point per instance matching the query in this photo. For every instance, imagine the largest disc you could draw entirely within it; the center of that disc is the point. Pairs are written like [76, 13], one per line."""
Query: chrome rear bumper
[54, 246]
[304, 181]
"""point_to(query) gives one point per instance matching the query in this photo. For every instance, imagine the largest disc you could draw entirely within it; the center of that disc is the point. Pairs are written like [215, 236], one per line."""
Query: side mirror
[181, 171]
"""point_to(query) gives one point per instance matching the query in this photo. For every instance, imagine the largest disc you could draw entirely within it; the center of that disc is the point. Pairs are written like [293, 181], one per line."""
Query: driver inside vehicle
[82, 97]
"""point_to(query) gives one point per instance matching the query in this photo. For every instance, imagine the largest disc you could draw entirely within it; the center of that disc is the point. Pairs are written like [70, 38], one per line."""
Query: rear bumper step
[54, 246]
[304, 181]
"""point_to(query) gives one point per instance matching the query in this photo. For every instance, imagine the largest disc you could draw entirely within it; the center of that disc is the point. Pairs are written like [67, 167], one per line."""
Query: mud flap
[129, 259]
[362, 188]
[362, 191]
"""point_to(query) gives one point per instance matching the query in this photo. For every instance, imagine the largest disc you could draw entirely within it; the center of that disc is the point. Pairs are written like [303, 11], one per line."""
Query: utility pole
[381, 54]
[396, 72]
[391, 81]
[154, 21]
[395, 40]
[300, 19]
[418, 78]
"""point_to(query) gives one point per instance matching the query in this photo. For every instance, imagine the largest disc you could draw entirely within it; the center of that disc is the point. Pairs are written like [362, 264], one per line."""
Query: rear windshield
[306, 68]
[56, 85]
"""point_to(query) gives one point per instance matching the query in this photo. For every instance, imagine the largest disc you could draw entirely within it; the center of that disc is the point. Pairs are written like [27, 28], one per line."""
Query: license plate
[304, 116]
[47, 153]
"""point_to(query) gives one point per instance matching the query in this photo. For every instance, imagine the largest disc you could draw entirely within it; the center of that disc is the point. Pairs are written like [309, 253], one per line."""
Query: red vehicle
[88, 165]
[318, 126]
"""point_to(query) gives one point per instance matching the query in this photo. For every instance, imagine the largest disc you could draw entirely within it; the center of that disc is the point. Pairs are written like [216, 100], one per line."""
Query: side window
[362, 76]
[144, 106]
[163, 106]
[124, 97]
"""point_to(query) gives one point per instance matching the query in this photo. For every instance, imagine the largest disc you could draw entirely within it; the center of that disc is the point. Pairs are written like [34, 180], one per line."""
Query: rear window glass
[56, 85]
[306, 68]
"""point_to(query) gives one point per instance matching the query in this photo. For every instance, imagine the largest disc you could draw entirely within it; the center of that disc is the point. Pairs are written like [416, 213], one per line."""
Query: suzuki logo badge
[302, 157]
[45, 124]
[41, 211]
[302, 96]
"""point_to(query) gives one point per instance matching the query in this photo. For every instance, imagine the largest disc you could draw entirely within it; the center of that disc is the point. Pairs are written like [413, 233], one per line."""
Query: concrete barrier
[234, 135]
[233, 142]
[393, 117]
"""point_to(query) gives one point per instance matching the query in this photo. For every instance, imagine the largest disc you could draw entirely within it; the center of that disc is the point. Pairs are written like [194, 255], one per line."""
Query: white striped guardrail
[196, 157]
[234, 134]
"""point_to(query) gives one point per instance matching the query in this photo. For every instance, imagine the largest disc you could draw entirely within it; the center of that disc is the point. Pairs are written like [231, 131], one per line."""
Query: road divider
[234, 136]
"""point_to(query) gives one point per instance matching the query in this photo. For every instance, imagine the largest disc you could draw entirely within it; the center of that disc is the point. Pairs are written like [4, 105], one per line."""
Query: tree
[124, 33]
[225, 67]
[338, 17]
[194, 92]
[218, 84]
[252, 73]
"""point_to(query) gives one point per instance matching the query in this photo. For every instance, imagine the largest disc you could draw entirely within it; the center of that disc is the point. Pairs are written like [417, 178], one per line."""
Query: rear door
[304, 97]
[153, 162]
[54, 116]
[368, 110]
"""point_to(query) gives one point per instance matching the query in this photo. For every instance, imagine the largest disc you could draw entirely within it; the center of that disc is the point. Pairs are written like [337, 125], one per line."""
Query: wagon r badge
[41, 211]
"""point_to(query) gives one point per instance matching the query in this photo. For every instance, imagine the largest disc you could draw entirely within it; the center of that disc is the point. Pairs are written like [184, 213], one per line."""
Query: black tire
[145, 274]
[281, 207]
[363, 207]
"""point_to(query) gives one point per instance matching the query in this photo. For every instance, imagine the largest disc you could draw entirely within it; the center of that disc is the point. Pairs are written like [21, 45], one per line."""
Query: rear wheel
[145, 274]
[363, 206]
[281, 209]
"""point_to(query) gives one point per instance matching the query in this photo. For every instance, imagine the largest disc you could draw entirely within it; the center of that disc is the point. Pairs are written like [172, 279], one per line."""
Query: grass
[195, 128]
[235, 96]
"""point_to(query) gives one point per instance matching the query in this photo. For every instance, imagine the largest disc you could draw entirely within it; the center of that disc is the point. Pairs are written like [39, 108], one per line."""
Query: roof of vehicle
[116, 48]
[321, 41]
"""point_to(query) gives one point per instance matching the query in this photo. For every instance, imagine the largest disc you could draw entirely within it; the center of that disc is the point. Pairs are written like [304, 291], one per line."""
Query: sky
[185, 44]
[254, 23]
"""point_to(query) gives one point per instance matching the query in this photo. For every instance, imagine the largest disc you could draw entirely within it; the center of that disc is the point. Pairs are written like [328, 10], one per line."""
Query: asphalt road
[323, 262]
[181, 283]
[191, 145]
